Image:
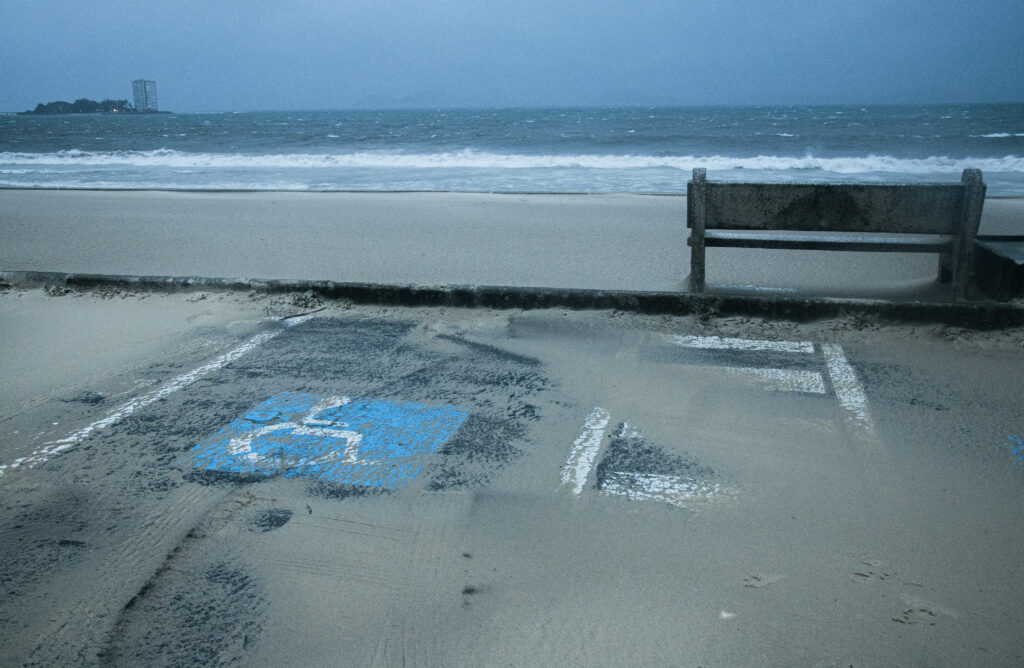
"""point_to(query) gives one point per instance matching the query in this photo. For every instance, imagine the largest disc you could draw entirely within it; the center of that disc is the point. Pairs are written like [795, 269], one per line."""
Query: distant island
[85, 106]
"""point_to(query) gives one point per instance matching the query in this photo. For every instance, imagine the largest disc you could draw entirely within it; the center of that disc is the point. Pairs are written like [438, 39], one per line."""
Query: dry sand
[54, 342]
[624, 242]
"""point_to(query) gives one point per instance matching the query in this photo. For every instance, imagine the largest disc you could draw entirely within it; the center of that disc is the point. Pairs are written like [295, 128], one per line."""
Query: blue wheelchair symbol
[369, 442]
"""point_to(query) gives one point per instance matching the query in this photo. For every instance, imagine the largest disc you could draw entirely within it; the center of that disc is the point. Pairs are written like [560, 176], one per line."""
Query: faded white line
[584, 450]
[725, 343]
[626, 430]
[754, 288]
[53, 448]
[783, 380]
[848, 388]
[676, 490]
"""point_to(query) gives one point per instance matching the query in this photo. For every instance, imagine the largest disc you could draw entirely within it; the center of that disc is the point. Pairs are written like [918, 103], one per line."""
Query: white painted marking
[628, 431]
[310, 426]
[725, 343]
[53, 448]
[754, 288]
[783, 380]
[848, 388]
[584, 450]
[676, 490]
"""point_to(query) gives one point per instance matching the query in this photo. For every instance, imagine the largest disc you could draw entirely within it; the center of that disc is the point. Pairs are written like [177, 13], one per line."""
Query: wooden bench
[904, 218]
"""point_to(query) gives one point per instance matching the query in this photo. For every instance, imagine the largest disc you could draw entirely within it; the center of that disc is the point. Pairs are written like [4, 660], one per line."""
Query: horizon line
[709, 105]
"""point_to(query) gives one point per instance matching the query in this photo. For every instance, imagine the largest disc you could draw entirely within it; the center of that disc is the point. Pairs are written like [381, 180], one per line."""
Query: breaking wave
[470, 159]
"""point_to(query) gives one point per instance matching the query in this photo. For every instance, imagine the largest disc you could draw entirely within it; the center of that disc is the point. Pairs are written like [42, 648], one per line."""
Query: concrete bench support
[904, 218]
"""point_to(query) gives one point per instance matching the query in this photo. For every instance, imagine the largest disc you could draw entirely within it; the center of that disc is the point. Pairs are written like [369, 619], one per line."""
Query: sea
[562, 150]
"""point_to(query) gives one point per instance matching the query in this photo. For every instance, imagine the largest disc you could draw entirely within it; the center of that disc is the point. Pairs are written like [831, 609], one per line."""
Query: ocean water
[642, 150]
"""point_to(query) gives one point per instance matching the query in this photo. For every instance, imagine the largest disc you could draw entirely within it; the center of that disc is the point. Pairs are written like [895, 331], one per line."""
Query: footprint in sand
[760, 581]
[873, 571]
[919, 610]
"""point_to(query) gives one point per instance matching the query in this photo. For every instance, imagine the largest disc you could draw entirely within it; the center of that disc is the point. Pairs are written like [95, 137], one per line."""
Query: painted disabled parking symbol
[369, 442]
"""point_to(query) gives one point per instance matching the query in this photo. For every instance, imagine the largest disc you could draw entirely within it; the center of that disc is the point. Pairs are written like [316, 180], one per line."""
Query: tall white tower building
[144, 92]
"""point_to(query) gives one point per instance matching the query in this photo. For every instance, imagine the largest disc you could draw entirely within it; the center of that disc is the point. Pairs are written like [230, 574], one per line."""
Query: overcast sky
[221, 55]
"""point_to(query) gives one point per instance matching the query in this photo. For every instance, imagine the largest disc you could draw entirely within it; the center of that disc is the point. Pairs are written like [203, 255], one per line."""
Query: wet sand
[624, 242]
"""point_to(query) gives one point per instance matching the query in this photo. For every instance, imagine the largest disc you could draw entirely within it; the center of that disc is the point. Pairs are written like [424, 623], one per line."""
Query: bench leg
[963, 246]
[696, 212]
[945, 268]
[696, 269]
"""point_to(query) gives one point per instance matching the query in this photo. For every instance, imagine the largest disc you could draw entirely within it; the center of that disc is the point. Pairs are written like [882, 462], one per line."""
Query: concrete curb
[977, 315]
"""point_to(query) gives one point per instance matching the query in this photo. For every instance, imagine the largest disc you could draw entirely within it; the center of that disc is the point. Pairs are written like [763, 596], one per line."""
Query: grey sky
[326, 54]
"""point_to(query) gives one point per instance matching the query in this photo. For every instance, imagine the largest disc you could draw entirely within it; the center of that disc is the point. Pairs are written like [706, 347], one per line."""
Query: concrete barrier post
[696, 213]
[963, 245]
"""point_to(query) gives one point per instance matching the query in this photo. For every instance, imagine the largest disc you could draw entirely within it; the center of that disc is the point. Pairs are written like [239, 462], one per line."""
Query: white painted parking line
[584, 450]
[676, 490]
[848, 388]
[725, 343]
[53, 448]
[783, 380]
[679, 490]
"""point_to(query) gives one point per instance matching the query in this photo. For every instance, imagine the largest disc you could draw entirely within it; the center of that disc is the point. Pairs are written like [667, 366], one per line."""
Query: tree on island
[82, 106]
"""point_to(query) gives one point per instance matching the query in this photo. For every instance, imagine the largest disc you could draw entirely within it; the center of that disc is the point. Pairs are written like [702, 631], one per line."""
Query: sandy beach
[623, 242]
[857, 479]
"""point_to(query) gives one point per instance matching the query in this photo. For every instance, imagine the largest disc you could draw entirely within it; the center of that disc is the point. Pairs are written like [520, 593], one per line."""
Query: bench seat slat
[917, 243]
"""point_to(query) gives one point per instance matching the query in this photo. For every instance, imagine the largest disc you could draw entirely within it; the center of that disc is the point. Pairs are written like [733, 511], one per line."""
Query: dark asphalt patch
[389, 360]
[270, 519]
[223, 478]
[492, 351]
[324, 489]
[632, 453]
[39, 539]
[193, 618]
[378, 359]
[755, 359]
[481, 446]
[91, 398]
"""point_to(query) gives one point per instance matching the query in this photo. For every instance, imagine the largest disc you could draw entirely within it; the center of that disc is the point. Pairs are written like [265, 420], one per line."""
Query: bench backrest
[910, 208]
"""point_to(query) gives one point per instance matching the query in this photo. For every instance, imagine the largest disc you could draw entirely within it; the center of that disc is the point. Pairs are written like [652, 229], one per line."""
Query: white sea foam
[999, 135]
[470, 159]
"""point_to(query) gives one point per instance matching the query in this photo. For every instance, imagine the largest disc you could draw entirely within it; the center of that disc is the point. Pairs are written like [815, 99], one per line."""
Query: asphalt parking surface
[416, 486]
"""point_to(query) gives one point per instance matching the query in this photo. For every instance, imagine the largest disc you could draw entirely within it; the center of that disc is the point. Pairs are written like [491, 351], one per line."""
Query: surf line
[584, 450]
[54, 448]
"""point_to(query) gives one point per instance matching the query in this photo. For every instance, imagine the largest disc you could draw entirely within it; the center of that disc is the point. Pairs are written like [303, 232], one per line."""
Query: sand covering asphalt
[810, 542]
[822, 549]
